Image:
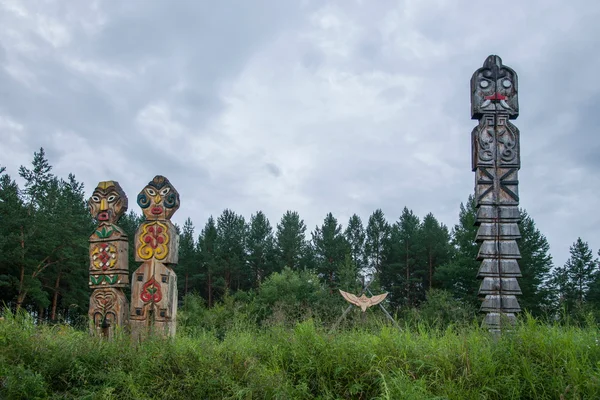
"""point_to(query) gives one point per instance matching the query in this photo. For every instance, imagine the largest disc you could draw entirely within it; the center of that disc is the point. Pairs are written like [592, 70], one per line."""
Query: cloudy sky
[313, 106]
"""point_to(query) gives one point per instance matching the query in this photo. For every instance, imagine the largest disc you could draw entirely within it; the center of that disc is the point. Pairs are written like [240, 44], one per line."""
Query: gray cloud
[312, 106]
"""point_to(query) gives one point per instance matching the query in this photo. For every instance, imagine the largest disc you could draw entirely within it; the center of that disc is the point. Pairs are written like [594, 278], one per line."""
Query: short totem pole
[496, 162]
[109, 266]
[154, 284]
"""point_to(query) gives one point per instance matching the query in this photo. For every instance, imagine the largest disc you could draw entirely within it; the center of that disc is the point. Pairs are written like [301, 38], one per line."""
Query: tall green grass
[534, 361]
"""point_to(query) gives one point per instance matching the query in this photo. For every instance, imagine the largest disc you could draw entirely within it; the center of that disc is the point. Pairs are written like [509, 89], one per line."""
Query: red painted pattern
[151, 291]
[154, 238]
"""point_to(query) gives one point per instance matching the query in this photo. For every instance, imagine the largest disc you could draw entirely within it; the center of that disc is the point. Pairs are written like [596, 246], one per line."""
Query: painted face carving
[159, 199]
[108, 202]
[494, 89]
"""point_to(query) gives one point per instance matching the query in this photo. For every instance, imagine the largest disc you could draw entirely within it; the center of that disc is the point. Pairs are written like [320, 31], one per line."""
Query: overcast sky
[313, 106]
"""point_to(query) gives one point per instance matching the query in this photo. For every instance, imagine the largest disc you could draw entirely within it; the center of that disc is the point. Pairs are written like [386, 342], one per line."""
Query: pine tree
[535, 265]
[574, 279]
[187, 267]
[67, 280]
[261, 247]
[207, 251]
[39, 243]
[378, 231]
[459, 275]
[330, 248]
[593, 294]
[355, 236]
[231, 250]
[290, 241]
[402, 271]
[435, 246]
[13, 214]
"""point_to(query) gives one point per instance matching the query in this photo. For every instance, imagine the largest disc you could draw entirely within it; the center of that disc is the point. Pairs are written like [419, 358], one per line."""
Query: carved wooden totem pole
[154, 284]
[109, 265]
[496, 162]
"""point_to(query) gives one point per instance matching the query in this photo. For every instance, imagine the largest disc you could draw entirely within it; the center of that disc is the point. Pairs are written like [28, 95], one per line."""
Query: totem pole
[109, 265]
[154, 284]
[496, 162]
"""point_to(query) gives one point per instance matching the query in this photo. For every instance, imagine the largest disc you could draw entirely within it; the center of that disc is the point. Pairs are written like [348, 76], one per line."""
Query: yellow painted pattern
[153, 241]
[104, 256]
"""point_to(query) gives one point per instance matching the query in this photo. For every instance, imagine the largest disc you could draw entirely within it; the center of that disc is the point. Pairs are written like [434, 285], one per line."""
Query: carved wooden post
[154, 284]
[109, 265]
[496, 162]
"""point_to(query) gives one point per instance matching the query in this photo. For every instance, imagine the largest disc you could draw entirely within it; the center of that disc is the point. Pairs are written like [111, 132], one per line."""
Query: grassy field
[535, 361]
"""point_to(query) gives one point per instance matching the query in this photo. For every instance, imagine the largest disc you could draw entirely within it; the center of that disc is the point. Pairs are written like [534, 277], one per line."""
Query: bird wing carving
[350, 298]
[377, 299]
[366, 301]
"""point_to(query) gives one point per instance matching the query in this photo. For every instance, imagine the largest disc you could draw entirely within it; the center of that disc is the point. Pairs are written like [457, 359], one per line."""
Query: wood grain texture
[496, 160]
[108, 261]
[153, 300]
[153, 307]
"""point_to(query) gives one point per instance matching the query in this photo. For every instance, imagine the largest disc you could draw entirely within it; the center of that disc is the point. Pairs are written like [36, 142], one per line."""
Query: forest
[45, 225]
[259, 309]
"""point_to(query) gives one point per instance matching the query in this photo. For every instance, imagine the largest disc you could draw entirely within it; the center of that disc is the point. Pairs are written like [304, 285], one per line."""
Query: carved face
[159, 199]
[108, 202]
[494, 89]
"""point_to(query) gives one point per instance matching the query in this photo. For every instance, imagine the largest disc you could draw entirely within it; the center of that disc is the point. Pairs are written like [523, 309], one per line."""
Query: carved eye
[165, 191]
[506, 83]
[484, 84]
[151, 192]
[96, 199]
[111, 198]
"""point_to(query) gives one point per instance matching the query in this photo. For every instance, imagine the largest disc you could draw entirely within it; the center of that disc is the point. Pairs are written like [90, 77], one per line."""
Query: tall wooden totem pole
[109, 266]
[154, 284]
[496, 162]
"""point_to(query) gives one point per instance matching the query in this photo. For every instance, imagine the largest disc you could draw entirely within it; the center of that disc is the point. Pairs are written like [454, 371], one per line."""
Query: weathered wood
[109, 309]
[157, 240]
[153, 300]
[496, 160]
[153, 307]
[109, 264]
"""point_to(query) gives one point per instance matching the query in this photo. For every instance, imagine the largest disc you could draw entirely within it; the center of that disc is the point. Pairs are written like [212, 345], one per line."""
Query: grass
[534, 361]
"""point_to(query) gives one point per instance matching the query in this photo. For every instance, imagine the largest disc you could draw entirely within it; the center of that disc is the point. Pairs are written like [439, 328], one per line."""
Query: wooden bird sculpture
[363, 301]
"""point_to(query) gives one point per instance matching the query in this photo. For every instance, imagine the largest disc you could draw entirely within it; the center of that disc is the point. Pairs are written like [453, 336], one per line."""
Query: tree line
[45, 226]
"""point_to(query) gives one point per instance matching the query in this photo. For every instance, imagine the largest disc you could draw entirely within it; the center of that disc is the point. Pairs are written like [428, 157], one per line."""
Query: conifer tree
[574, 279]
[67, 280]
[459, 275]
[207, 251]
[378, 232]
[188, 265]
[39, 244]
[355, 236]
[261, 247]
[403, 272]
[13, 214]
[231, 250]
[290, 241]
[330, 248]
[535, 265]
[435, 245]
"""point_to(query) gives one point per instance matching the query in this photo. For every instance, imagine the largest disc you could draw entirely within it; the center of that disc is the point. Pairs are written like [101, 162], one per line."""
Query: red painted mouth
[103, 216]
[157, 210]
[496, 96]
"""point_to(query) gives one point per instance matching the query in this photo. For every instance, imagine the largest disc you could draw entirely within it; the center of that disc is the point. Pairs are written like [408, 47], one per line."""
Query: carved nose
[157, 199]
[103, 205]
